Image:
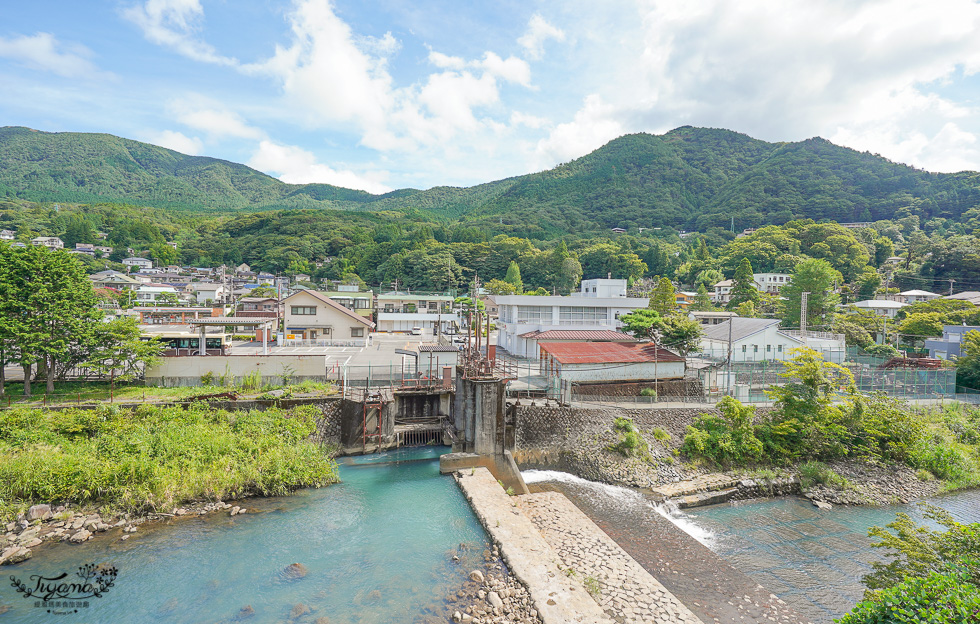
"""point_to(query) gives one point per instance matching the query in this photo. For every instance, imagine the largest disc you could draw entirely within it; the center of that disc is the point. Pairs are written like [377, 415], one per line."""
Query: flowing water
[377, 548]
[812, 559]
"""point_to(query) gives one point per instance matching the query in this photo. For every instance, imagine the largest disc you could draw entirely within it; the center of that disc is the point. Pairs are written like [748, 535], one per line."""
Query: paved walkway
[620, 585]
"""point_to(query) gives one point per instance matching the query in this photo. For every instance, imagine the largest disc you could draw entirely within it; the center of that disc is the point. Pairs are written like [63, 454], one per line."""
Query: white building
[311, 315]
[209, 291]
[916, 296]
[597, 306]
[402, 312]
[7, 235]
[142, 263]
[51, 242]
[769, 283]
[150, 293]
[756, 340]
[881, 307]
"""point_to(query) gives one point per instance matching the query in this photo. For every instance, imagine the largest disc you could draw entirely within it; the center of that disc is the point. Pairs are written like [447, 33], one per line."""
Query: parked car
[416, 331]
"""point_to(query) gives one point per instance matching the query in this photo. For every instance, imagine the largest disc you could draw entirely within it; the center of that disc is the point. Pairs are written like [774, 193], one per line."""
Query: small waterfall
[669, 510]
[623, 497]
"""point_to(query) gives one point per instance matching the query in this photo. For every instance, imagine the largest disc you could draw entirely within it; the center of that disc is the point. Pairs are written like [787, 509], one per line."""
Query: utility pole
[804, 302]
[731, 322]
[951, 281]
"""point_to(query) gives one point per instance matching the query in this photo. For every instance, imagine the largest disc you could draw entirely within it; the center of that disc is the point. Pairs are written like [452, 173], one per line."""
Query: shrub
[729, 439]
[631, 443]
[940, 598]
[648, 392]
[815, 472]
[662, 436]
[251, 382]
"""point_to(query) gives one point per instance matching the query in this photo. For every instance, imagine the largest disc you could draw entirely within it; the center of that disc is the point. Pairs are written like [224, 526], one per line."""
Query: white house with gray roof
[757, 340]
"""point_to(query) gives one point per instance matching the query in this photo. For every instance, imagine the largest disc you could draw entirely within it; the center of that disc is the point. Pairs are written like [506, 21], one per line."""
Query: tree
[500, 287]
[915, 328]
[117, 349]
[817, 278]
[968, 365]
[513, 277]
[639, 322]
[867, 284]
[51, 305]
[663, 299]
[164, 254]
[702, 301]
[679, 333]
[743, 286]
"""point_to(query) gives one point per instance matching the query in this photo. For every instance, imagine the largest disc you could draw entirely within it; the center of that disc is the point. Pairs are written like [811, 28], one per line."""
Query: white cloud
[213, 118]
[178, 141]
[511, 69]
[298, 166]
[539, 31]
[594, 125]
[45, 53]
[173, 23]
[445, 61]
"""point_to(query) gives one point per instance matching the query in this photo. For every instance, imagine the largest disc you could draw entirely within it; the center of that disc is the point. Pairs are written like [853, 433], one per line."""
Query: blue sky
[380, 94]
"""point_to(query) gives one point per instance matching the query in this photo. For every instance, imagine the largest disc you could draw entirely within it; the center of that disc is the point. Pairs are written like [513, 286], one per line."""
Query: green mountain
[688, 178]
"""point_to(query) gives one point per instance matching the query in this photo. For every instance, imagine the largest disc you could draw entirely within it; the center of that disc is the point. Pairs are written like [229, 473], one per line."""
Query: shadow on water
[812, 559]
[377, 548]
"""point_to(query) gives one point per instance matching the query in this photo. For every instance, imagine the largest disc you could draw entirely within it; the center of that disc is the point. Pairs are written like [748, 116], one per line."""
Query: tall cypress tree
[743, 286]
[513, 277]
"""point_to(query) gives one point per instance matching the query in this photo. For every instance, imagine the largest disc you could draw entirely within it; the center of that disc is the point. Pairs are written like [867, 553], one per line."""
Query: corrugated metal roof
[607, 353]
[436, 348]
[741, 328]
[578, 334]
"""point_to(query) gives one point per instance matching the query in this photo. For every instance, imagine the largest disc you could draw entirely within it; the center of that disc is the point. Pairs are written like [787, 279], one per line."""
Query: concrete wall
[479, 415]
[187, 371]
[637, 371]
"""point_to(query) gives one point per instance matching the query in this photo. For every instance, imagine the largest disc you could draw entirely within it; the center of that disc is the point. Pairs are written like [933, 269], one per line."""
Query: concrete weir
[556, 551]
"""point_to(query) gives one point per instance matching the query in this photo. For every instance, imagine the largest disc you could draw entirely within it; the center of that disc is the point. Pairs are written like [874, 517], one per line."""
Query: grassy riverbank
[155, 458]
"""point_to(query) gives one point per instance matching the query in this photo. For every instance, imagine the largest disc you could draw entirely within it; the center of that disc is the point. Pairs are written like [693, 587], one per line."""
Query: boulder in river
[294, 571]
[246, 612]
[38, 512]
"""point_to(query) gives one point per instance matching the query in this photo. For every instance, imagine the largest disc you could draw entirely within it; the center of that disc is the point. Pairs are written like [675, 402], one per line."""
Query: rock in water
[246, 612]
[477, 576]
[822, 505]
[15, 554]
[298, 611]
[294, 571]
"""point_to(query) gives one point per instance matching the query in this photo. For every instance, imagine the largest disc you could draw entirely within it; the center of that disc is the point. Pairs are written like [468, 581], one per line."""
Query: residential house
[135, 261]
[258, 307]
[301, 277]
[311, 315]
[176, 315]
[769, 283]
[970, 295]
[597, 306]
[113, 279]
[402, 312]
[51, 242]
[105, 251]
[949, 346]
[351, 297]
[8, 235]
[243, 268]
[684, 298]
[916, 296]
[708, 318]
[881, 307]
[756, 340]
[618, 230]
[210, 291]
[150, 294]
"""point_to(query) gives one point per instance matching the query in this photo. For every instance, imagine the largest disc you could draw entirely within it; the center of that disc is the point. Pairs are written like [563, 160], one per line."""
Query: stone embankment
[579, 441]
[573, 572]
[43, 524]
[492, 594]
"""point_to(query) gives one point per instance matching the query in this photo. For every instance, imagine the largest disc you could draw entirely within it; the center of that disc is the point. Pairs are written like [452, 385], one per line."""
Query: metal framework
[372, 401]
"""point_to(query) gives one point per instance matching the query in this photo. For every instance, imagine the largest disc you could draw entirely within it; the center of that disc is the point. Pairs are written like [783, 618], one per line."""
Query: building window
[768, 348]
[745, 348]
[582, 313]
[356, 332]
[302, 310]
[779, 348]
[755, 348]
[533, 314]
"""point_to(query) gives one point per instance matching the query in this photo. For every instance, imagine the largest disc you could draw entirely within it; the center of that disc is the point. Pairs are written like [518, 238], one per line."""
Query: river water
[377, 548]
[812, 559]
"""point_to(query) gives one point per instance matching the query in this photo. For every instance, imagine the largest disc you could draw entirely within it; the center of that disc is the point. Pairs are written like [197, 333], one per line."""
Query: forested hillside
[689, 178]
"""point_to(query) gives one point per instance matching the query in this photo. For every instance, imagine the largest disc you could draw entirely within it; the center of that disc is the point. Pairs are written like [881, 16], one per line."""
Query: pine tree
[663, 299]
[513, 277]
[702, 301]
[743, 286]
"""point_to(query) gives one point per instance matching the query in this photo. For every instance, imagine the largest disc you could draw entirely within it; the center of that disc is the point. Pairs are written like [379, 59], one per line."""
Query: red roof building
[609, 362]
